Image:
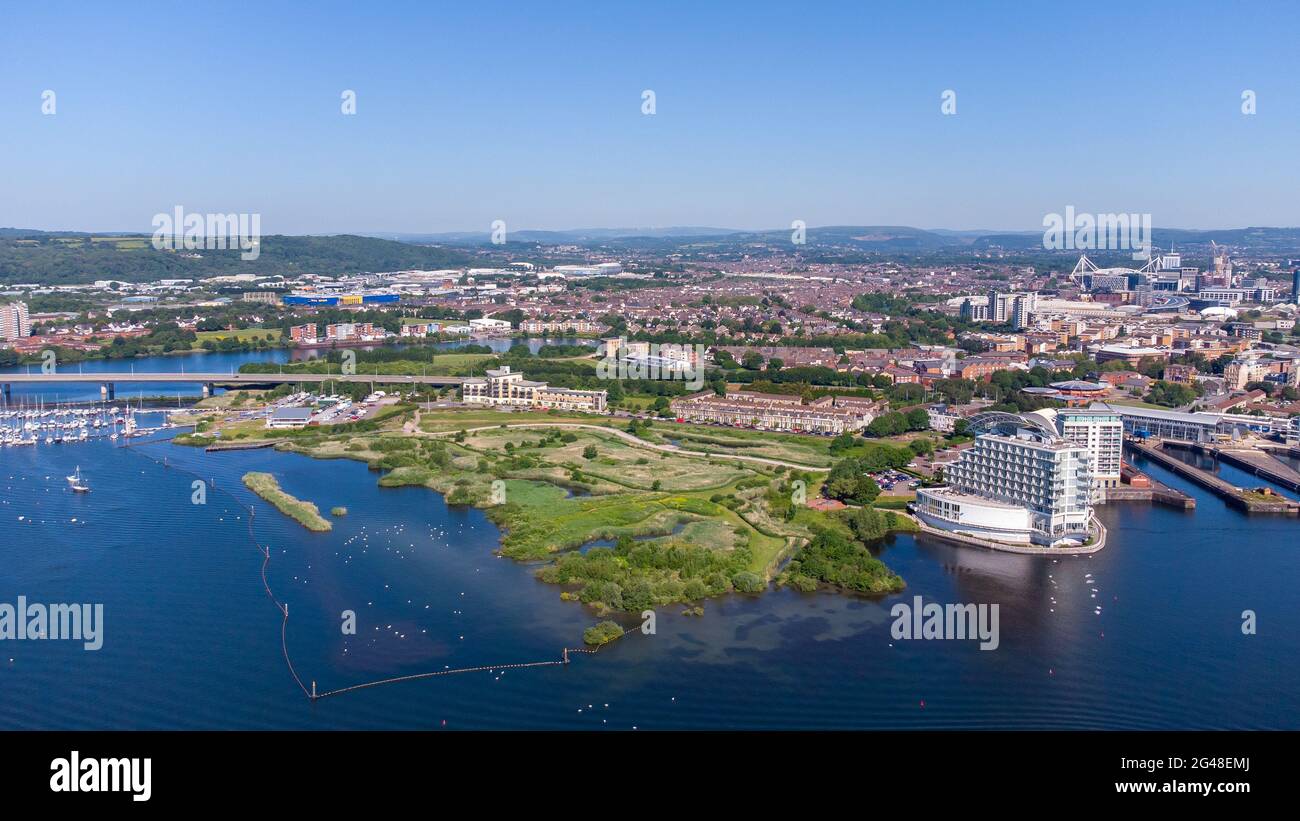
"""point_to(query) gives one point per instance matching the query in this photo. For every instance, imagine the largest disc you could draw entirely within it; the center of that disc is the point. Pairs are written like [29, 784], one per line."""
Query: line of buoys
[312, 694]
[266, 560]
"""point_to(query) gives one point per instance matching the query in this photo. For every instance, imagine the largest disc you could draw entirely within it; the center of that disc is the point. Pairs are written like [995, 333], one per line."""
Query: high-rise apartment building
[1027, 487]
[1013, 309]
[1101, 432]
[13, 321]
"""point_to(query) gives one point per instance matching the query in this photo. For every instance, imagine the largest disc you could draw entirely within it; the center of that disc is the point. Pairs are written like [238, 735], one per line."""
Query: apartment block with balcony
[14, 322]
[1026, 487]
[507, 388]
[1101, 432]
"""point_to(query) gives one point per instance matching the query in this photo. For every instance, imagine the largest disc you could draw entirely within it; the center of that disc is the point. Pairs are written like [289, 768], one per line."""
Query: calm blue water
[193, 642]
[198, 362]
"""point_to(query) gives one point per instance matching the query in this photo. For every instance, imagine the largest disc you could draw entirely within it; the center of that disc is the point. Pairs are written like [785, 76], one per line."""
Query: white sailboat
[78, 485]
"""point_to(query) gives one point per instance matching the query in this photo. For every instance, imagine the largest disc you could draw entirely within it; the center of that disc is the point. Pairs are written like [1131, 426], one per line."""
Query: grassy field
[807, 450]
[813, 451]
[617, 461]
[120, 243]
[457, 364]
[304, 513]
[243, 335]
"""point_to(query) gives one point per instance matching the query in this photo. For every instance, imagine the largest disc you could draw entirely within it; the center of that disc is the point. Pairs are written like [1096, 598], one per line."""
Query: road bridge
[209, 381]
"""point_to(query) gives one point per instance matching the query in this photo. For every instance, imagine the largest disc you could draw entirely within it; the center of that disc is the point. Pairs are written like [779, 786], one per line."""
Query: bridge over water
[209, 381]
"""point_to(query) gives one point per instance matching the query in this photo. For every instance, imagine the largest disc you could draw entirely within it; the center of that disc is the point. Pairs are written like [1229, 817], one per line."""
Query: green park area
[242, 335]
[619, 519]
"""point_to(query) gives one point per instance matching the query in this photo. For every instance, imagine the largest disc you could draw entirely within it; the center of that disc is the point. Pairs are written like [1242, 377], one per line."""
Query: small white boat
[77, 484]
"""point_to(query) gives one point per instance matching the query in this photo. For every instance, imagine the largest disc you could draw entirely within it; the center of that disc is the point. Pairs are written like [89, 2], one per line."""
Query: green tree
[848, 482]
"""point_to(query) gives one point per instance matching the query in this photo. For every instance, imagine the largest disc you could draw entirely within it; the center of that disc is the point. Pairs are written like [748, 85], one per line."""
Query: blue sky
[531, 113]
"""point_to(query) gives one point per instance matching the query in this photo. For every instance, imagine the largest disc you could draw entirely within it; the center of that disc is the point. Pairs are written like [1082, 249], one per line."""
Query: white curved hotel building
[1024, 487]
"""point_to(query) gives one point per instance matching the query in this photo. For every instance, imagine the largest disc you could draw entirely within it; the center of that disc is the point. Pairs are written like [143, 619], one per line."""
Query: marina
[61, 425]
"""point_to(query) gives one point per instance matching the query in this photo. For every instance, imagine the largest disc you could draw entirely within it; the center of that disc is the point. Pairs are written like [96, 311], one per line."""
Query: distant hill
[68, 258]
[569, 236]
[874, 237]
[867, 239]
[1260, 240]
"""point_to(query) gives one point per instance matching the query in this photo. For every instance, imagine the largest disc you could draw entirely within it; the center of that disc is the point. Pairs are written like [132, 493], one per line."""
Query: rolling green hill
[65, 259]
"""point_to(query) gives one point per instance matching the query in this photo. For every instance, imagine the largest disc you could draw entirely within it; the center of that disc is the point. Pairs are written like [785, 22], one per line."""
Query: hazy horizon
[629, 231]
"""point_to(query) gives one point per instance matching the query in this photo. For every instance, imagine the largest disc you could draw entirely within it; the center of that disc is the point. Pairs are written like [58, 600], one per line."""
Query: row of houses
[779, 412]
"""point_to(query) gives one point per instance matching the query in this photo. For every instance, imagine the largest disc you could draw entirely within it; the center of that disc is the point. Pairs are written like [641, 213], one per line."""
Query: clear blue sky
[531, 113]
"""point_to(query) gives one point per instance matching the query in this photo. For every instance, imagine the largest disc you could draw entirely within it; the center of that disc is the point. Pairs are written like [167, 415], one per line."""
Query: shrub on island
[602, 633]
